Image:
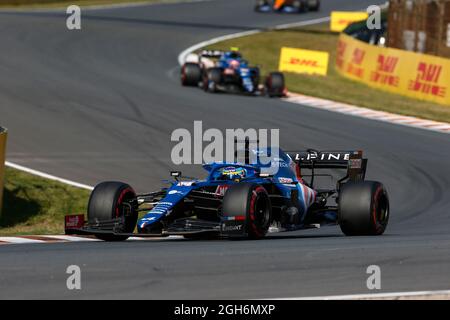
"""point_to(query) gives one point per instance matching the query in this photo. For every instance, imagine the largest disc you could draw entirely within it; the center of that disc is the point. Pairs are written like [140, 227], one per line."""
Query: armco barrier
[411, 74]
[3, 136]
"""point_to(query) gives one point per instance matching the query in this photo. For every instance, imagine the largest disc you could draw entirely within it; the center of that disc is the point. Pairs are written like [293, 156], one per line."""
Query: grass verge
[65, 3]
[264, 48]
[33, 205]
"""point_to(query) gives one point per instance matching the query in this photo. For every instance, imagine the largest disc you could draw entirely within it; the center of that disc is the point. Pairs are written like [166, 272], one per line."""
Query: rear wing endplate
[352, 161]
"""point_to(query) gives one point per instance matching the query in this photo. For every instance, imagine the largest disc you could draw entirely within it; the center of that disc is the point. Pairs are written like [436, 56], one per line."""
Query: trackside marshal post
[3, 136]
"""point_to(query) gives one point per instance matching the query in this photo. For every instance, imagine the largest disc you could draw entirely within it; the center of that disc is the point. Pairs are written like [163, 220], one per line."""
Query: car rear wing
[211, 54]
[352, 161]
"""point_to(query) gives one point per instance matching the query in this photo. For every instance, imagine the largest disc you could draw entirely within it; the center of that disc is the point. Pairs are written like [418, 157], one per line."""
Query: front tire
[259, 4]
[314, 5]
[109, 201]
[252, 202]
[212, 79]
[363, 208]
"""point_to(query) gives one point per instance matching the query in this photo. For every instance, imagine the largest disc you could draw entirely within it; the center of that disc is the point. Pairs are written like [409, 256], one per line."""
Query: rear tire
[212, 78]
[191, 74]
[314, 5]
[107, 202]
[363, 208]
[275, 84]
[251, 201]
[300, 5]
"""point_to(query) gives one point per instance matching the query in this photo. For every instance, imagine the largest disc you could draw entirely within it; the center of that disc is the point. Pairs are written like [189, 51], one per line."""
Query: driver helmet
[233, 173]
[234, 64]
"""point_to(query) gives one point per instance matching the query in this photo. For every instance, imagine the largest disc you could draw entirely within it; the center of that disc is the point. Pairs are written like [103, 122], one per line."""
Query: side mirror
[175, 174]
[265, 175]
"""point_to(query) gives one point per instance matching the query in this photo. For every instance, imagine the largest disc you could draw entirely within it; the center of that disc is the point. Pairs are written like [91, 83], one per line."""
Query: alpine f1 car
[243, 200]
[227, 71]
[287, 6]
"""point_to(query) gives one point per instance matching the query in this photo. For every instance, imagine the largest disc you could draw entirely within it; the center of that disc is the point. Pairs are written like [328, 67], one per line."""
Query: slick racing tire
[259, 4]
[252, 202]
[275, 84]
[256, 78]
[212, 78]
[363, 208]
[313, 5]
[111, 200]
[191, 74]
[300, 5]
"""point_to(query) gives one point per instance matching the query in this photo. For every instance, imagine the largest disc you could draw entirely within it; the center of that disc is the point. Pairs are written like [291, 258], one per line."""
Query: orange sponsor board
[411, 74]
[341, 19]
[304, 61]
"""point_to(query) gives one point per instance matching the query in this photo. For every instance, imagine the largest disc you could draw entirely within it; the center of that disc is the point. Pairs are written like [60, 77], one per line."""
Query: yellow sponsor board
[3, 135]
[411, 74]
[304, 61]
[341, 19]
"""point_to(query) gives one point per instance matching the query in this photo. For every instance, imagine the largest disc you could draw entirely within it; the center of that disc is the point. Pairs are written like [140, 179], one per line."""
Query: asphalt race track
[101, 103]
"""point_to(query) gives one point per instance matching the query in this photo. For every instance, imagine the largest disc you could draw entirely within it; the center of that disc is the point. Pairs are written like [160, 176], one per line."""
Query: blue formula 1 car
[243, 200]
[287, 6]
[228, 71]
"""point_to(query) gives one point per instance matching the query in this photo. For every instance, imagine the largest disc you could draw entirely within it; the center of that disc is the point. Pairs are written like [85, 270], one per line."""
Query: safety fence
[420, 25]
[3, 136]
[407, 73]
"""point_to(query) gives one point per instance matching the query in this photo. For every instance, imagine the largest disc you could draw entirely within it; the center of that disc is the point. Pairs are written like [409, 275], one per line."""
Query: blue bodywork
[244, 72]
[285, 180]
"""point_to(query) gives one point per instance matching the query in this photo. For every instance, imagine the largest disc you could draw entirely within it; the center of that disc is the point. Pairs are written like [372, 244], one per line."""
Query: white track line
[67, 238]
[19, 240]
[48, 176]
[390, 295]
[301, 23]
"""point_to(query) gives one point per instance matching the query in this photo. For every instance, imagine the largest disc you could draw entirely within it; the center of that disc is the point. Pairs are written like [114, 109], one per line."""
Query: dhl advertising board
[2, 163]
[303, 61]
[411, 74]
[341, 19]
